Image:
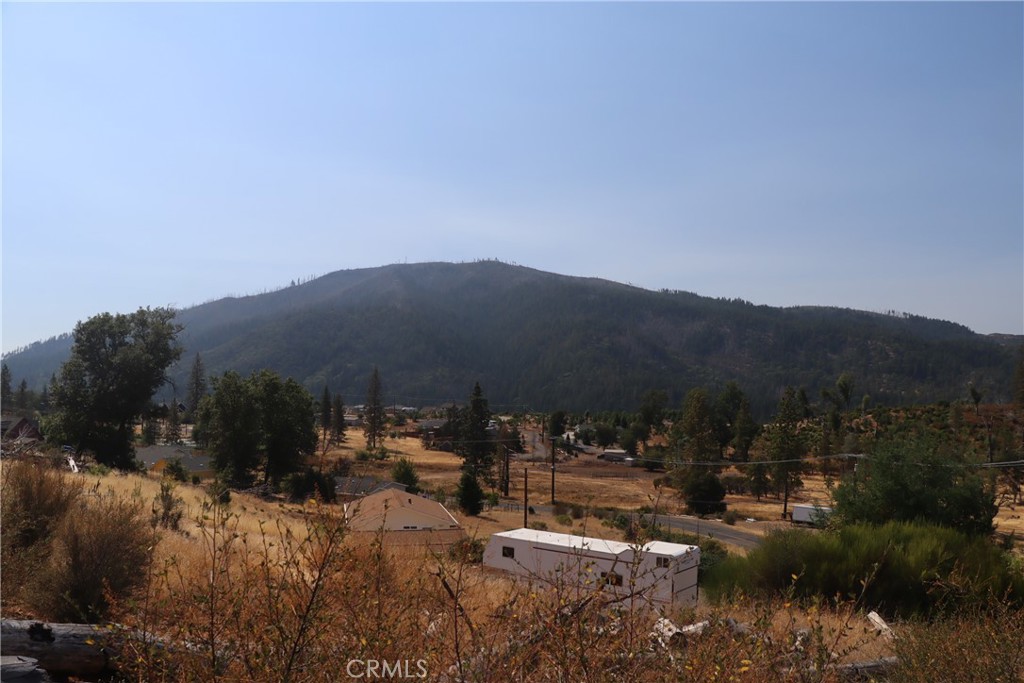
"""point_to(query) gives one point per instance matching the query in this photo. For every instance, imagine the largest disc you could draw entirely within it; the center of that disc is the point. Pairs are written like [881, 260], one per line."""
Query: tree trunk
[65, 649]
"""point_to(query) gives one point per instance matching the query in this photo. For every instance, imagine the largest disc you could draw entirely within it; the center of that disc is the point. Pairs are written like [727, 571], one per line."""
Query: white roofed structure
[664, 573]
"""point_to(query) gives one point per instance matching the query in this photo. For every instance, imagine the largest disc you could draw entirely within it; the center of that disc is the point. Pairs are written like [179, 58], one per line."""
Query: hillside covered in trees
[541, 341]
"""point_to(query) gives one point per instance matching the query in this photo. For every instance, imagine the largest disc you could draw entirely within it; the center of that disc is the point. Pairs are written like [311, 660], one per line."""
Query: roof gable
[372, 510]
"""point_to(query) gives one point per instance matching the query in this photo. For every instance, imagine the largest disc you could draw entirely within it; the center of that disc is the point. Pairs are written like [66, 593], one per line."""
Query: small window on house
[508, 551]
[611, 578]
[661, 562]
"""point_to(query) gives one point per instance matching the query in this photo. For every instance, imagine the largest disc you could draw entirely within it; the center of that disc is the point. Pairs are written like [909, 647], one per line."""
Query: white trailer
[663, 573]
[811, 514]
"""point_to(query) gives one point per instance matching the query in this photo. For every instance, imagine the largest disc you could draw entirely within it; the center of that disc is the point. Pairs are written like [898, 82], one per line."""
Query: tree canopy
[117, 363]
[917, 477]
[262, 422]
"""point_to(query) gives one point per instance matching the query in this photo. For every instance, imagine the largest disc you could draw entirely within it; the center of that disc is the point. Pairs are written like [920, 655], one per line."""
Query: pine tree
[745, 431]
[404, 472]
[22, 399]
[469, 495]
[374, 424]
[473, 442]
[338, 418]
[172, 427]
[5, 385]
[786, 446]
[325, 418]
[196, 387]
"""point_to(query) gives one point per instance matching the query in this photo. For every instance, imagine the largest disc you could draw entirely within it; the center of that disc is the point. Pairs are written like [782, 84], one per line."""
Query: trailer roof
[593, 544]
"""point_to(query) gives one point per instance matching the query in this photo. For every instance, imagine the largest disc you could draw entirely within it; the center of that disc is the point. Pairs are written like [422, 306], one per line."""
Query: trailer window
[661, 562]
[508, 551]
[611, 578]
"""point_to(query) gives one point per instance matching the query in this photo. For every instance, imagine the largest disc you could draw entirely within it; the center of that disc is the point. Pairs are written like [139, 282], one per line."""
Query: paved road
[702, 527]
[719, 530]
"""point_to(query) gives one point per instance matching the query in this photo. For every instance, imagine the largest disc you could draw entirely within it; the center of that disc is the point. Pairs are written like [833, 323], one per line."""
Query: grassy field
[587, 481]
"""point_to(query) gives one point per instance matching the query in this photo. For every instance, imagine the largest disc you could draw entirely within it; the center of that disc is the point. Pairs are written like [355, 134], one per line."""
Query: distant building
[15, 428]
[156, 458]
[394, 510]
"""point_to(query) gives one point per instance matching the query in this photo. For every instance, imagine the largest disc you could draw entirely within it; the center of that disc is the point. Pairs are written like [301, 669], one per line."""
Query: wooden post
[552, 470]
[526, 496]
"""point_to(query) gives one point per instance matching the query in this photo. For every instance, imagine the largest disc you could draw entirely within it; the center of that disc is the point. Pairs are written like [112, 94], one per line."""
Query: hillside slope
[539, 340]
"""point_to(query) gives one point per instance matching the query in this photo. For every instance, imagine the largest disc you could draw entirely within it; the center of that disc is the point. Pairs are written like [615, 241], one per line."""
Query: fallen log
[64, 649]
[22, 670]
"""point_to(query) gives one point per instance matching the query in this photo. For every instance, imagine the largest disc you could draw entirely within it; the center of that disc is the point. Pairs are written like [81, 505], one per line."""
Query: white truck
[815, 515]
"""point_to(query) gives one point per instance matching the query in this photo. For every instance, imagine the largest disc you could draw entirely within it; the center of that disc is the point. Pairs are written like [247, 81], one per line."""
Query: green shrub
[899, 568]
[564, 520]
[175, 469]
[538, 525]
[730, 517]
[308, 484]
[168, 509]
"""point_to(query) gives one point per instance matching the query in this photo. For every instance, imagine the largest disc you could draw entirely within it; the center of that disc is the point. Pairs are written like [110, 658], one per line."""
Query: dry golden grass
[267, 592]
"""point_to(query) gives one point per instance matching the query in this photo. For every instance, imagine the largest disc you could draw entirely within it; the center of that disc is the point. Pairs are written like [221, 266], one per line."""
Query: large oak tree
[117, 363]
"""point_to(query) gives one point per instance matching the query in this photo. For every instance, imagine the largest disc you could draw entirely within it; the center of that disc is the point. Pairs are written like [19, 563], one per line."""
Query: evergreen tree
[325, 409]
[469, 495]
[172, 426]
[325, 419]
[694, 434]
[727, 406]
[745, 430]
[473, 442]
[404, 472]
[150, 431]
[6, 393]
[556, 422]
[786, 446]
[338, 417]
[374, 420]
[196, 388]
[760, 482]
[21, 401]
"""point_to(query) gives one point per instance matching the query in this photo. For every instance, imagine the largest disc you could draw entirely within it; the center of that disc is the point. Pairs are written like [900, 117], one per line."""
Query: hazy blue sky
[866, 155]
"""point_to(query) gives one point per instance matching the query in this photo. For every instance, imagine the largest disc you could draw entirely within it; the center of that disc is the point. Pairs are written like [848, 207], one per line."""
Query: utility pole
[526, 495]
[506, 475]
[552, 470]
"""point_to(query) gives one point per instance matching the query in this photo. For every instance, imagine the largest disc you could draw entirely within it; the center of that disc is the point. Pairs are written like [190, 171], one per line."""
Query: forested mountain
[542, 341]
